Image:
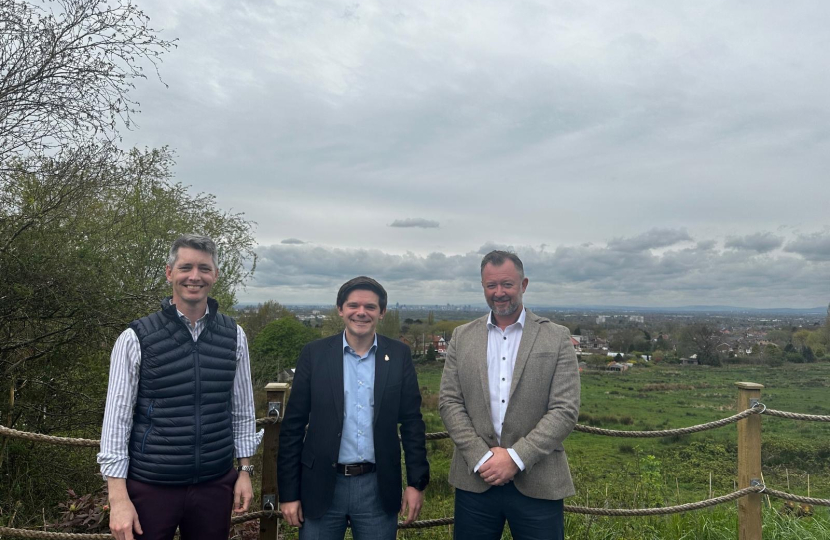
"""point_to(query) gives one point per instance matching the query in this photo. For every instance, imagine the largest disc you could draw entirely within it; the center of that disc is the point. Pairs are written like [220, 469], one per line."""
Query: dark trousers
[482, 515]
[198, 510]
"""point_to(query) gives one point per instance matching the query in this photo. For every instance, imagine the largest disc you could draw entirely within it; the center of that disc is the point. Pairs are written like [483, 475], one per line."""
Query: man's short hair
[361, 283]
[498, 258]
[192, 241]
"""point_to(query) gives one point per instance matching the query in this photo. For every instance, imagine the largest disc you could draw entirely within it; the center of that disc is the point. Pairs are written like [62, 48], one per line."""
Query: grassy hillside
[628, 473]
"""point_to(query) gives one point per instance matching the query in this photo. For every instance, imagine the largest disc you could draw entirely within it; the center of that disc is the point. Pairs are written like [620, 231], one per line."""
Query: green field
[630, 473]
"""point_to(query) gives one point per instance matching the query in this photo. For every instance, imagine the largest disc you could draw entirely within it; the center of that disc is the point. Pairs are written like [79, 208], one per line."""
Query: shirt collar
[521, 322]
[183, 316]
[347, 347]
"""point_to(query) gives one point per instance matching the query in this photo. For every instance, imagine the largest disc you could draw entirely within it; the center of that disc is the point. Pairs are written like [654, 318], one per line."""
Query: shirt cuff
[516, 458]
[487, 456]
[114, 468]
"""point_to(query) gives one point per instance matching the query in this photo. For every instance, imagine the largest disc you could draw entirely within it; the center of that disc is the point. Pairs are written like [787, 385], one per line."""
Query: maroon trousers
[200, 511]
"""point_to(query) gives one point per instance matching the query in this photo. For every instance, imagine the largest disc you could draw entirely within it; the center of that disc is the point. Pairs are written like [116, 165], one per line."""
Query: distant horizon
[819, 310]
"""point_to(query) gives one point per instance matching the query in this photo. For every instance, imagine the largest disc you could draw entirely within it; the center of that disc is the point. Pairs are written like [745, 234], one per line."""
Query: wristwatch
[247, 468]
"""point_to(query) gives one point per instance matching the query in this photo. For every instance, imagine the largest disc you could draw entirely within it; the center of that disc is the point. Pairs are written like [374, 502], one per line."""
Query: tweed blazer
[541, 412]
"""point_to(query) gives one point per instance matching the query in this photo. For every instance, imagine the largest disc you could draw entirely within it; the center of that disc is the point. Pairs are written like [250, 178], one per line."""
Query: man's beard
[509, 310]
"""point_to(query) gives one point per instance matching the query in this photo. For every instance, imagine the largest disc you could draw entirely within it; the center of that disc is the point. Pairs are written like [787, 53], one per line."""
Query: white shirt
[125, 369]
[502, 348]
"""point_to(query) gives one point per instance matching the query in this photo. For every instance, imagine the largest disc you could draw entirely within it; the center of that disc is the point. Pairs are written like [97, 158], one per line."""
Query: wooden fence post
[277, 394]
[749, 462]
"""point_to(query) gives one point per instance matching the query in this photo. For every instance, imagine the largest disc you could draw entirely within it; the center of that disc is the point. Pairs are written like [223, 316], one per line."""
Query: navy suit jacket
[306, 466]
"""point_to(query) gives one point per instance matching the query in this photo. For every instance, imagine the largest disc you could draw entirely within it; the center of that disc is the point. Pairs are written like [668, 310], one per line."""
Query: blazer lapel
[336, 375]
[479, 341]
[381, 374]
[529, 333]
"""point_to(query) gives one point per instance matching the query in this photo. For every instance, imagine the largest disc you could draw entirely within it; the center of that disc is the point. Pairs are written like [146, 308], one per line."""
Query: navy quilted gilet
[182, 423]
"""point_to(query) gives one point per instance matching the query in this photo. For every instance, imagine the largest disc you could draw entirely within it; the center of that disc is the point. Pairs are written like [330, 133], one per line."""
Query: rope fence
[756, 488]
[7, 532]
[68, 441]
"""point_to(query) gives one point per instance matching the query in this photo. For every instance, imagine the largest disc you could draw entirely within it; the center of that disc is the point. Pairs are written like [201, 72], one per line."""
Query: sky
[632, 153]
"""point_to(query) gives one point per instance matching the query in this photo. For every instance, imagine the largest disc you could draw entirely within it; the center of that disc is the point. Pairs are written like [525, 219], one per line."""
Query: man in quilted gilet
[179, 410]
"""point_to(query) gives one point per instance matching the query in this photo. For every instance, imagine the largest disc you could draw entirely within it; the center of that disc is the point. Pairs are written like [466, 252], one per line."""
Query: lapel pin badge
[385, 357]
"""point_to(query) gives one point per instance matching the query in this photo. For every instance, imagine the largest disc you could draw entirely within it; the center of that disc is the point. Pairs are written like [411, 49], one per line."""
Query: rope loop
[759, 404]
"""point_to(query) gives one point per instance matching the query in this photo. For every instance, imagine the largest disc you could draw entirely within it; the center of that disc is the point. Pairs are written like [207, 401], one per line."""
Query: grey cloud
[813, 247]
[653, 239]
[415, 222]
[760, 242]
[293, 241]
[566, 275]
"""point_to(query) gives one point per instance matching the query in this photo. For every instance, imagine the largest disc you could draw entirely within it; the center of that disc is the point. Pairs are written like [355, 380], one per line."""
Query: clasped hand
[499, 469]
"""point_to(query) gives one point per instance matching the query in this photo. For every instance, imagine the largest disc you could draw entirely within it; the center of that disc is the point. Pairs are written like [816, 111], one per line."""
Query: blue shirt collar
[348, 348]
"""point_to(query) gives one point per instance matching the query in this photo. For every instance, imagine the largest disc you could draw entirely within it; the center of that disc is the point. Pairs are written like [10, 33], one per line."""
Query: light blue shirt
[357, 444]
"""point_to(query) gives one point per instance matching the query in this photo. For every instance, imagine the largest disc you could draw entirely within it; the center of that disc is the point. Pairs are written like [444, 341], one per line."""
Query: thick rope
[668, 432]
[68, 441]
[255, 515]
[444, 435]
[6, 532]
[631, 512]
[797, 416]
[797, 498]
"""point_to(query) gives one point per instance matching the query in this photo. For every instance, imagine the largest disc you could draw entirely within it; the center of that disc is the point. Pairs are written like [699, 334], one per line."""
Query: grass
[629, 473]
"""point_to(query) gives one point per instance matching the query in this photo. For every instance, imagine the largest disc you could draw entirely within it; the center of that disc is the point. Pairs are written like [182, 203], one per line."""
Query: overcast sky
[632, 153]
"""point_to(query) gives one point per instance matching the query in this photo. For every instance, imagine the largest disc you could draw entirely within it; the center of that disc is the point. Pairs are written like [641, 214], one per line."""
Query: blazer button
[339, 435]
[333, 465]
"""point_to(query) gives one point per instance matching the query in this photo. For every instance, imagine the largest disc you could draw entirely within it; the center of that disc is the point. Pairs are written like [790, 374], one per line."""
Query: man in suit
[352, 390]
[509, 397]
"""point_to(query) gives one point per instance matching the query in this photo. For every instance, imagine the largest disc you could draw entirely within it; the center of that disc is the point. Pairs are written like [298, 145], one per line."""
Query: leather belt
[355, 469]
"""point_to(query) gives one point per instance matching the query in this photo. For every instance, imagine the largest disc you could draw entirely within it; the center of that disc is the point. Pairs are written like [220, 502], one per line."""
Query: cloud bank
[640, 270]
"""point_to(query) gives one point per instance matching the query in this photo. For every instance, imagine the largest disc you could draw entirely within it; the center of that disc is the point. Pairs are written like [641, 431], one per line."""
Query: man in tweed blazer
[509, 398]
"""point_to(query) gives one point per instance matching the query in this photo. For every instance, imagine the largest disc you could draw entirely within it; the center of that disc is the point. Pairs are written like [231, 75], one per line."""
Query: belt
[355, 469]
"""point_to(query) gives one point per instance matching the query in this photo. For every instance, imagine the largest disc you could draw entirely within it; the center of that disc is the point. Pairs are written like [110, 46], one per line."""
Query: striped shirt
[125, 367]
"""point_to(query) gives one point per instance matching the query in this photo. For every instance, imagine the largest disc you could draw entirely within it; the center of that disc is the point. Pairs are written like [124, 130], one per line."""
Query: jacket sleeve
[454, 413]
[292, 430]
[562, 408]
[413, 429]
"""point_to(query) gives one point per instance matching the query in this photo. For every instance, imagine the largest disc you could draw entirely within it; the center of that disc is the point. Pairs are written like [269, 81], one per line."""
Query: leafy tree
[66, 72]
[83, 245]
[431, 355]
[431, 318]
[253, 320]
[278, 346]
[701, 340]
[332, 324]
[390, 326]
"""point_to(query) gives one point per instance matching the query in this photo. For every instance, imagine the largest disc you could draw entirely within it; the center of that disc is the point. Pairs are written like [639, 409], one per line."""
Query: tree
[431, 318]
[253, 320]
[278, 346]
[390, 325]
[431, 355]
[66, 72]
[701, 340]
[332, 324]
[83, 245]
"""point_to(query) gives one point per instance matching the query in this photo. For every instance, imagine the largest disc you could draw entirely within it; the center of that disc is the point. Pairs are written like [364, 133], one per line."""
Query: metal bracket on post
[754, 482]
[274, 408]
[269, 503]
[753, 402]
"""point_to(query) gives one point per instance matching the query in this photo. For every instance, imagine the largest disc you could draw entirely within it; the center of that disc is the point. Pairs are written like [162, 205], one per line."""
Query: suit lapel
[480, 341]
[529, 333]
[335, 360]
[381, 374]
